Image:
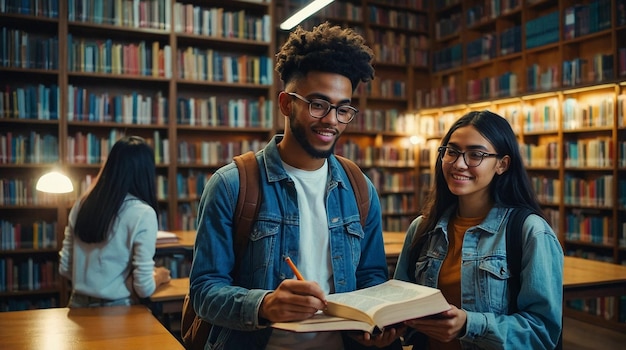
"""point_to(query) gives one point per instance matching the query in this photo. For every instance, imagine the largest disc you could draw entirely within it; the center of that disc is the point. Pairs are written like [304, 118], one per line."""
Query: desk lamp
[54, 182]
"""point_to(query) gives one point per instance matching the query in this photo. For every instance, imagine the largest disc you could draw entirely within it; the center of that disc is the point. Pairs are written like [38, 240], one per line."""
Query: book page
[372, 298]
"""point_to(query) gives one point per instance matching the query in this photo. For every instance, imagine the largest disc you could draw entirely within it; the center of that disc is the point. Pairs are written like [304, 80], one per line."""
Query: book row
[383, 120]
[91, 148]
[15, 192]
[119, 58]
[27, 274]
[540, 78]
[217, 22]
[545, 117]
[202, 64]
[92, 105]
[580, 70]
[489, 9]
[399, 48]
[217, 111]
[214, 153]
[583, 114]
[583, 19]
[38, 235]
[596, 192]
[590, 228]
[43, 8]
[547, 190]
[503, 85]
[20, 49]
[397, 203]
[601, 307]
[154, 14]
[155, 60]
[370, 156]
[34, 148]
[38, 102]
[596, 152]
[546, 155]
[398, 18]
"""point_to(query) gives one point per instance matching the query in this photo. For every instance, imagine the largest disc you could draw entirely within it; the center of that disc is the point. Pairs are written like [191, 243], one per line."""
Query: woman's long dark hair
[510, 189]
[129, 169]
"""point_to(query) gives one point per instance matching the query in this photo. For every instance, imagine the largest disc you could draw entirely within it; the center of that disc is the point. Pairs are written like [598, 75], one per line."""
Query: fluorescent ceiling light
[304, 13]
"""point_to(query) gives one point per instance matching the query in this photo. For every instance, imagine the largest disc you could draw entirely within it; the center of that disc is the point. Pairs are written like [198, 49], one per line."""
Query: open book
[372, 309]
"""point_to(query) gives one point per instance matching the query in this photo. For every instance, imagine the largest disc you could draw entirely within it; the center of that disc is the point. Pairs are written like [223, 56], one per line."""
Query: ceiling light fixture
[304, 13]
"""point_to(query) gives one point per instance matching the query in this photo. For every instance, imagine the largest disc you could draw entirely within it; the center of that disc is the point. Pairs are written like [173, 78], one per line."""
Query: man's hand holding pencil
[293, 300]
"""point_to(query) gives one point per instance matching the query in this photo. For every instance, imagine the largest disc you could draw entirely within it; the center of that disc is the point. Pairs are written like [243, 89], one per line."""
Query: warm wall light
[417, 140]
[54, 182]
[304, 13]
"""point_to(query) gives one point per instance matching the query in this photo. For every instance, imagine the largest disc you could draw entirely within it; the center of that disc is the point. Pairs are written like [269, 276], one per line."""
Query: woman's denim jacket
[232, 306]
[484, 275]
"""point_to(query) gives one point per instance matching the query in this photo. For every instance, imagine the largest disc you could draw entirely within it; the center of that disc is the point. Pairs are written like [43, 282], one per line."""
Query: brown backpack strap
[247, 202]
[194, 330]
[359, 185]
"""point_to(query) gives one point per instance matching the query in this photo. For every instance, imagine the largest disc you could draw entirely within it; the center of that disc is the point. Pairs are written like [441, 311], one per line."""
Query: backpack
[194, 330]
[514, 258]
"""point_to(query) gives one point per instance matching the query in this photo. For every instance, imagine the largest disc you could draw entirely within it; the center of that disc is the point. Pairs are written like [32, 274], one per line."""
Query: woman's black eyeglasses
[472, 158]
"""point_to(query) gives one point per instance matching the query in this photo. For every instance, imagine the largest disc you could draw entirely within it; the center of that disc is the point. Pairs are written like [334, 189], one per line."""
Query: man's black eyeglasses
[319, 108]
[472, 158]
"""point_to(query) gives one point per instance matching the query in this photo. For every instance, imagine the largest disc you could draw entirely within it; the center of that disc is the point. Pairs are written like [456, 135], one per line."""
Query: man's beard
[299, 133]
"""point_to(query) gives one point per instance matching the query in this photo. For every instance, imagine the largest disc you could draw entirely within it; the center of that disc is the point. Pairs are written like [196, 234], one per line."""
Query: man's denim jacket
[484, 275]
[358, 256]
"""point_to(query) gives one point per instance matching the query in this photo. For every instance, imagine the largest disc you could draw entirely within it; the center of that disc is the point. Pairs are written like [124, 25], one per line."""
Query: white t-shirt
[314, 255]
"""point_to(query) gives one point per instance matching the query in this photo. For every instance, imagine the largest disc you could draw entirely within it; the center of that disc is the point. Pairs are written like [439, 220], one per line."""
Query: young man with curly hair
[308, 211]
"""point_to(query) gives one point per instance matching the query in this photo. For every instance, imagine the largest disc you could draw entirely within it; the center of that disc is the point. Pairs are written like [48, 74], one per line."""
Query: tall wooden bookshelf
[556, 71]
[76, 78]
[379, 138]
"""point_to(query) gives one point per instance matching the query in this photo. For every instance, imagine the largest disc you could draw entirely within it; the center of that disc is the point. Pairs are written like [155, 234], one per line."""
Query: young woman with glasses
[458, 245]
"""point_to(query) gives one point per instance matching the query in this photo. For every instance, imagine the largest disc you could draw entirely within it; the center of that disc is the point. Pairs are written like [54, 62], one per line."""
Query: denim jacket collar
[276, 172]
[491, 224]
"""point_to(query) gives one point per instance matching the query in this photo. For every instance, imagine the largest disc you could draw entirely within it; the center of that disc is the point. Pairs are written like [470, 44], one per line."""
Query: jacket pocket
[494, 283]
[354, 233]
[263, 245]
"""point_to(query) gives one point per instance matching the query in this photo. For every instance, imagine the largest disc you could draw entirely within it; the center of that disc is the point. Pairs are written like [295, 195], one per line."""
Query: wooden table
[170, 296]
[106, 328]
[584, 278]
[186, 240]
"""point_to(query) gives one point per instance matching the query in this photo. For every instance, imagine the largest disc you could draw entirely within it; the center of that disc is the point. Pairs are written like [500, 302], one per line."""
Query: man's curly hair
[326, 49]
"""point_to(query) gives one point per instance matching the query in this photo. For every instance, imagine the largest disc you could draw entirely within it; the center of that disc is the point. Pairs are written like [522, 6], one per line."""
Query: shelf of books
[379, 139]
[194, 78]
[29, 145]
[555, 70]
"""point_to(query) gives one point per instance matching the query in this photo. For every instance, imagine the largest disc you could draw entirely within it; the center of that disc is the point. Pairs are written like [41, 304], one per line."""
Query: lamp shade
[54, 182]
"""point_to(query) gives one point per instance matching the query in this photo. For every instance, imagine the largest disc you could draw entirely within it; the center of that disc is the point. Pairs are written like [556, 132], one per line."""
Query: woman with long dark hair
[110, 238]
[458, 245]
